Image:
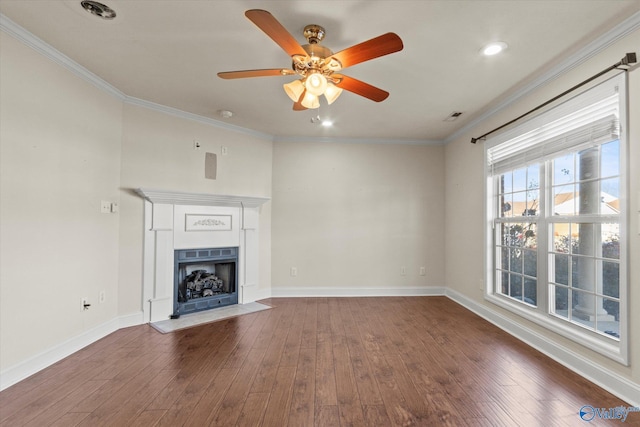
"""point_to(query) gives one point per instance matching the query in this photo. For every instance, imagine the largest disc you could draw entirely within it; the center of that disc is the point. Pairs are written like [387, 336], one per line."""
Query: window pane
[506, 203]
[520, 179]
[561, 237]
[610, 159]
[610, 240]
[563, 170]
[533, 204]
[610, 196]
[589, 198]
[533, 177]
[611, 279]
[584, 273]
[506, 183]
[561, 300]
[519, 203]
[515, 260]
[503, 258]
[504, 282]
[609, 318]
[612, 308]
[583, 309]
[520, 235]
[530, 263]
[564, 202]
[560, 274]
[584, 239]
[530, 291]
[515, 290]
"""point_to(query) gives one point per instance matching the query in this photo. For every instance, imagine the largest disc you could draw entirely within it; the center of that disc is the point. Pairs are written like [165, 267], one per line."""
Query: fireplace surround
[177, 221]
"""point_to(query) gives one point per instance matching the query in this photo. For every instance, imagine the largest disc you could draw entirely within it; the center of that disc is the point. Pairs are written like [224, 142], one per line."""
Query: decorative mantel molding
[200, 199]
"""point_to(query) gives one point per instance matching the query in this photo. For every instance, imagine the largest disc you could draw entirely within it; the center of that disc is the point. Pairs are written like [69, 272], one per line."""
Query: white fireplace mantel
[200, 199]
[165, 232]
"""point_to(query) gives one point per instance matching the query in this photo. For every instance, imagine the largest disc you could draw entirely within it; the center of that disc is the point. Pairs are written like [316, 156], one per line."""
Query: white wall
[158, 153]
[60, 156]
[464, 203]
[349, 216]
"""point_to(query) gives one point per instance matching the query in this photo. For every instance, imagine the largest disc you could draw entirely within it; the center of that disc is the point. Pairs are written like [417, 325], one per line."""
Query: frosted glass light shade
[310, 101]
[294, 89]
[316, 84]
[332, 93]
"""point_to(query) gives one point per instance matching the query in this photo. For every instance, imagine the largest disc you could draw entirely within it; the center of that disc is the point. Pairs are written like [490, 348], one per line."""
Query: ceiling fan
[316, 65]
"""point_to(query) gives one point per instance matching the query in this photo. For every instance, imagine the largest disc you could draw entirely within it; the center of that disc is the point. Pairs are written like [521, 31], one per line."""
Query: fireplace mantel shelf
[200, 199]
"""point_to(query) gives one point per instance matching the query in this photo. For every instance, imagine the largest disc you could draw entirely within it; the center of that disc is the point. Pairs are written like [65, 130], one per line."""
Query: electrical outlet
[102, 297]
[423, 271]
[403, 271]
[84, 304]
[224, 150]
[294, 272]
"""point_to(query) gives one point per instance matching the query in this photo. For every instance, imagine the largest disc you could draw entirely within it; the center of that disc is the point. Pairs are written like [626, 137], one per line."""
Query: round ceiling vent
[98, 9]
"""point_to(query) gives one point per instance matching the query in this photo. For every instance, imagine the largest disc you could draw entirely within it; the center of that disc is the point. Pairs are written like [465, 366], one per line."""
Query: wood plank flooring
[401, 361]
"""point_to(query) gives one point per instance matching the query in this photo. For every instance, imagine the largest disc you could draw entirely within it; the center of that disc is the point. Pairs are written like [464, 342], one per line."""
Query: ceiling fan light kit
[331, 93]
[316, 65]
[310, 101]
[294, 89]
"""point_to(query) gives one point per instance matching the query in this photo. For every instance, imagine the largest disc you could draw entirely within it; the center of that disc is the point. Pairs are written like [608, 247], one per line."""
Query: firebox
[204, 279]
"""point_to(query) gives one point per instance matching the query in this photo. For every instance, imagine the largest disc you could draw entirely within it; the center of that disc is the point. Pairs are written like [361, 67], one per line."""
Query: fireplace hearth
[204, 279]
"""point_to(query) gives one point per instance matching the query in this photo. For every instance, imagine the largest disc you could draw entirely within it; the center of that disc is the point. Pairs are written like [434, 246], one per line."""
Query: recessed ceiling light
[98, 9]
[327, 123]
[493, 48]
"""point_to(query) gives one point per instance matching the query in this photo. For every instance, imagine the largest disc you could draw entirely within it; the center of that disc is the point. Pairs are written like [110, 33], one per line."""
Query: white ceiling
[168, 52]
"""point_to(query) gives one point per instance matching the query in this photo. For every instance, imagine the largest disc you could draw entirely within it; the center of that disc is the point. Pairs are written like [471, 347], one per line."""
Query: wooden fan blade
[361, 88]
[374, 48]
[271, 27]
[255, 73]
[297, 106]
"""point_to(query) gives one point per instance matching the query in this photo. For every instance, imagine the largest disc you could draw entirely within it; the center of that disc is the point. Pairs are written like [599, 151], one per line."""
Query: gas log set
[199, 284]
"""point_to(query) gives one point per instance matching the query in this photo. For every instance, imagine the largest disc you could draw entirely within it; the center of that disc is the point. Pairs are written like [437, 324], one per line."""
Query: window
[557, 219]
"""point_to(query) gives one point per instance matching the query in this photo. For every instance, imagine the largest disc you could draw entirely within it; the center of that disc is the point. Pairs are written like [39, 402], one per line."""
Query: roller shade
[561, 129]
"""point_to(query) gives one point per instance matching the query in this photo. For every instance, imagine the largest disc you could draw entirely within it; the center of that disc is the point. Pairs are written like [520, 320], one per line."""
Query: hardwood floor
[402, 361]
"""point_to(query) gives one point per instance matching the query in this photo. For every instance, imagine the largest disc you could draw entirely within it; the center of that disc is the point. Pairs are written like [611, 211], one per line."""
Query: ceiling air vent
[453, 116]
[98, 9]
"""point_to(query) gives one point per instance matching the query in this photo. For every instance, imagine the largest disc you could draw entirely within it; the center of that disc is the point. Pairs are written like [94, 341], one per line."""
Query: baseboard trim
[282, 292]
[48, 357]
[260, 294]
[132, 319]
[605, 378]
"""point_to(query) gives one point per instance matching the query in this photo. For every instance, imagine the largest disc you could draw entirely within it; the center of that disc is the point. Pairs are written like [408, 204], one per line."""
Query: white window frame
[537, 128]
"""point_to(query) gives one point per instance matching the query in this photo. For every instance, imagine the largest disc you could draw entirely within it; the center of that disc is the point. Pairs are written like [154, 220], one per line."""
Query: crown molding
[195, 117]
[48, 51]
[327, 139]
[617, 33]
